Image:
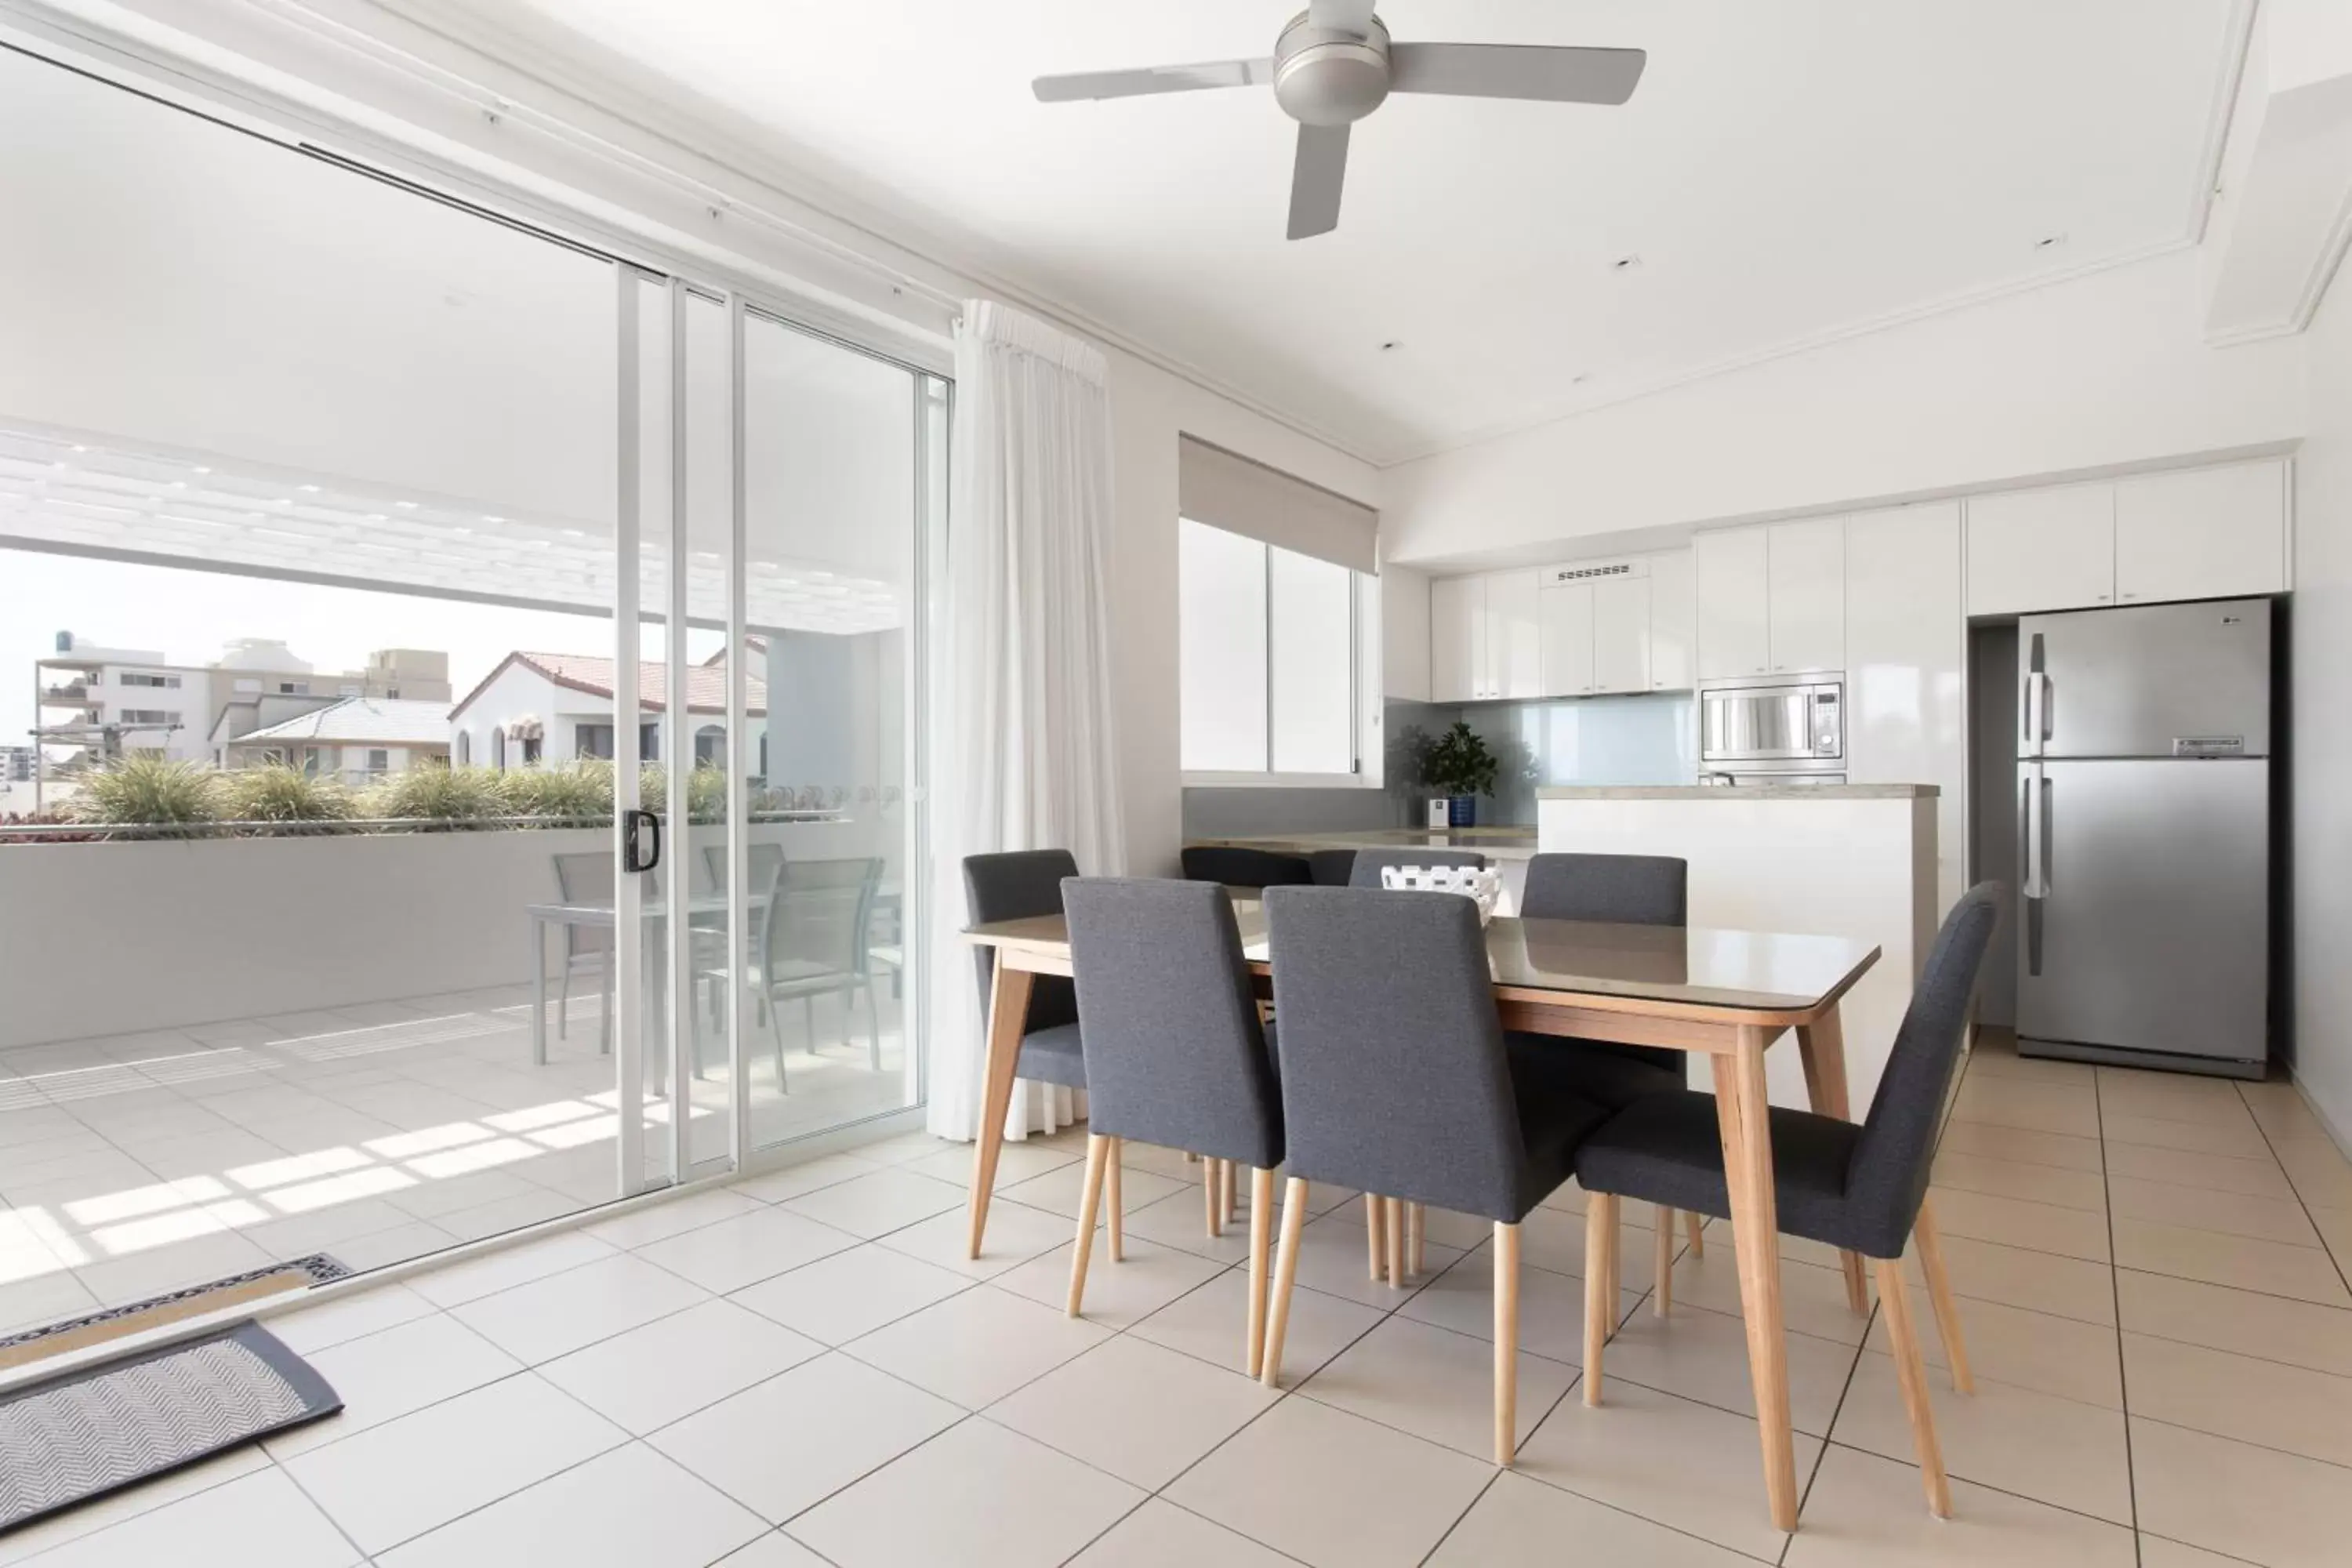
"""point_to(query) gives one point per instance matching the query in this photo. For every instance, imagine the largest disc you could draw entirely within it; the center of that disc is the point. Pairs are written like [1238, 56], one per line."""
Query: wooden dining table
[1727, 995]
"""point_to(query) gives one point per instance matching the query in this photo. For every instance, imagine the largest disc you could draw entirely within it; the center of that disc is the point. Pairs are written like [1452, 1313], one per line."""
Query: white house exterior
[549, 709]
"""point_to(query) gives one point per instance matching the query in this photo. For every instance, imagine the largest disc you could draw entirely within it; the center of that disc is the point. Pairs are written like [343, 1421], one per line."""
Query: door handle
[639, 853]
[2037, 710]
[2038, 796]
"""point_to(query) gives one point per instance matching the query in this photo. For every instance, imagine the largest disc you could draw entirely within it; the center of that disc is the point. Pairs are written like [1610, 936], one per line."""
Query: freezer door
[2147, 905]
[2157, 680]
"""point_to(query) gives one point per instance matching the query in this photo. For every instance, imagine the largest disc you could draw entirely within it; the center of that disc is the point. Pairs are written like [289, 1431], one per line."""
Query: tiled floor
[135, 1164]
[801, 1369]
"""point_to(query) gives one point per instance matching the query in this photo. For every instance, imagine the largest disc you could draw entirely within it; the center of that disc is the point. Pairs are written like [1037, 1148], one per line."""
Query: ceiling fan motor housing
[1324, 77]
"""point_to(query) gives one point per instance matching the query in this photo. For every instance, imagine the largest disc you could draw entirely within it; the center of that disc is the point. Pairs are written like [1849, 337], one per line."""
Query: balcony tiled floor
[794, 1371]
[135, 1164]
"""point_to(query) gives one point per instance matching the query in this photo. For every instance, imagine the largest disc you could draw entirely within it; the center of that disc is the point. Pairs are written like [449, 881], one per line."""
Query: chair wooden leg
[1376, 1232]
[1692, 1225]
[1662, 1288]
[1286, 1271]
[1232, 1189]
[1600, 1304]
[1394, 1220]
[1930, 1243]
[1416, 1223]
[1117, 1210]
[1211, 1210]
[1506, 1342]
[1099, 1153]
[1911, 1375]
[1261, 1234]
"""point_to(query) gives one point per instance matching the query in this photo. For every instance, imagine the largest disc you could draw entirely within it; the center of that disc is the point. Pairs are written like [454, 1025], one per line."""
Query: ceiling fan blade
[1516, 70]
[1346, 15]
[1315, 180]
[1151, 79]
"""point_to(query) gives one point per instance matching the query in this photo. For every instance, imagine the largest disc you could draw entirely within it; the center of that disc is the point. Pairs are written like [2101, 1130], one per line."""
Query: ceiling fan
[1334, 64]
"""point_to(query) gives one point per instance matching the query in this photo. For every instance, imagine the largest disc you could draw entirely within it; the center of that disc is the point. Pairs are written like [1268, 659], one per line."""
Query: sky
[188, 616]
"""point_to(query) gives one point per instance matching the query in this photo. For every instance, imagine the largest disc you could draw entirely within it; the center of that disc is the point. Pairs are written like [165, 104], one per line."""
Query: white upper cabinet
[2050, 549]
[1567, 639]
[1805, 594]
[1673, 643]
[1457, 639]
[1734, 623]
[2201, 534]
[1514, 635]
[1621, 634]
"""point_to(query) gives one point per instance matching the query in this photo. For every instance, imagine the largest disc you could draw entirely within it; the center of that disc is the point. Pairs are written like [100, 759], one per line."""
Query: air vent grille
[1591, 571]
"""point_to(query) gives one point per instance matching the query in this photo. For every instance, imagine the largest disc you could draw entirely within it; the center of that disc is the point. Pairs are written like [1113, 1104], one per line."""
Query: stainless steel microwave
[1794, 727]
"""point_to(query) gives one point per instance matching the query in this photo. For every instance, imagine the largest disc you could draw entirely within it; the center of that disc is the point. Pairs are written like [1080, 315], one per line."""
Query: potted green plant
[1460, 766]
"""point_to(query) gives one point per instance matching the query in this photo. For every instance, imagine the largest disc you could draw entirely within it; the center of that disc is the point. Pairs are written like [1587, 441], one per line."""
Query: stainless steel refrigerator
[2144, 799]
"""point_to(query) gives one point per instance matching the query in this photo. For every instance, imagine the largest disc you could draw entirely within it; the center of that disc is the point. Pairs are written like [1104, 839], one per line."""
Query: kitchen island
[1850, 860]
[1507, 848]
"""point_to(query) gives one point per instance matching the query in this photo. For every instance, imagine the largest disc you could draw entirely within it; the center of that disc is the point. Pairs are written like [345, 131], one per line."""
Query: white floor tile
[2282, 1510]
[654, 1221]
[102, 1513]
[785, 1445]
[2054, 1450]
[669, 1368]
[397, 1481]
[1869, 1512]
[1435, 1384]
[559, 1314]
[732, 1253]
[977, 1347]
[1016, 1233]
[879, 1204]
[838, 1298]
[1161, 1535]
[1209, 1324]
[1331, 1488]
[1135, 1409]
[509, 1265]
[1118, 1295]
[631, 1508]
[791, 1181]
[1522, 1522]
[384, 1375]
[261, 1521]
[978, 1495]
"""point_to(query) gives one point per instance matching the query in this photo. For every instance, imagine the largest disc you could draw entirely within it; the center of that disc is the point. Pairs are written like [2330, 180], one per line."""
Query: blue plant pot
[1462, 810]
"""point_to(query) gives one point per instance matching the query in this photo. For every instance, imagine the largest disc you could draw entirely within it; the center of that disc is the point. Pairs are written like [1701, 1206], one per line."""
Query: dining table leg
[1008, 1009]
[1743, 1120]
[1821, 1045]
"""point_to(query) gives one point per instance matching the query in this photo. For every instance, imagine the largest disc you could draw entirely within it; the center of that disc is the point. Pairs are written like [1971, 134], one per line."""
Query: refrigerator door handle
[2037, 864]
[2037, 710]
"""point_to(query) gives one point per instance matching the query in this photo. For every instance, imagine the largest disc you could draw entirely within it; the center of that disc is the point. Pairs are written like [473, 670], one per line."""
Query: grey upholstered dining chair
[1365, 870]
[1858, 1188]
[1395, 1080]
[1175, 1053]
[1239, 865]
[1330, 867]
[1010, 885]
[1623, 890]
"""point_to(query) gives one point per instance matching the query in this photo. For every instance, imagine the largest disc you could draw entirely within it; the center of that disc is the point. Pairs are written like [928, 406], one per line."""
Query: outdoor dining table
[1728, 995]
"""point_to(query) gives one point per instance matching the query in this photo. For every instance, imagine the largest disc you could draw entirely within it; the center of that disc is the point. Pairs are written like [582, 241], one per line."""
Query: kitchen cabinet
[1457, 639]
[2051, 548]
[1734, 623]
[1620, 618]
[2201, 534]
[1514, 635]
[1674, 643]
[1906, 640]
[1805, 595]
[1568, 640]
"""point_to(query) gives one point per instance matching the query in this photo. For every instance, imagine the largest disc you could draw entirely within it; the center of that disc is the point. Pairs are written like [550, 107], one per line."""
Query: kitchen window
[1266, 651]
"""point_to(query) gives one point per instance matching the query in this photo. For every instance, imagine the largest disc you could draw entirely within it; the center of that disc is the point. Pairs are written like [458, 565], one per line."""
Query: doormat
[192, 1301]
[81, 1435]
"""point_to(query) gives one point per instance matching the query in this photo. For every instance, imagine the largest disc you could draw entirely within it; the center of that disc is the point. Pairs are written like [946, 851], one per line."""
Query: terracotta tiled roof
[705, 684]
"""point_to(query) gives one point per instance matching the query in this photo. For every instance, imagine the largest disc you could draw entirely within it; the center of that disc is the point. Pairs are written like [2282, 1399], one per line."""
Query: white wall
[1149, 408]
[2322, 696]
[2108, 369]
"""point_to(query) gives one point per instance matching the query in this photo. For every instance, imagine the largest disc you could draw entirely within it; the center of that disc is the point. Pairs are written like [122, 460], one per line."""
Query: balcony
[67, 694]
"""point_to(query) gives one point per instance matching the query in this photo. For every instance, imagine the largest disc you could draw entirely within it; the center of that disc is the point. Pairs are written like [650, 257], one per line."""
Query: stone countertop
[1505, 842]
[1739, 792]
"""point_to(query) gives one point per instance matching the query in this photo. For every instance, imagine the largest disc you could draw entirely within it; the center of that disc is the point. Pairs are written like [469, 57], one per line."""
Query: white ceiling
[1787, 171]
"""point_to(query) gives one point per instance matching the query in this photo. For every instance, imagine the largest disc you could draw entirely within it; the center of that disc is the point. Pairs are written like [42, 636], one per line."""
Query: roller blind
[1217, 488]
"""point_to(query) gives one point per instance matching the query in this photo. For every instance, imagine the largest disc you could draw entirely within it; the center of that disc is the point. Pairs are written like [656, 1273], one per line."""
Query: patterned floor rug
[84, 1434]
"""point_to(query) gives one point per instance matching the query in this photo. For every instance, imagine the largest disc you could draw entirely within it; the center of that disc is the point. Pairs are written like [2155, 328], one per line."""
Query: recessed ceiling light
[283, 500]
[307, 489]
[200, 469]
[2050, 242]
[80, 448]
[1626, 262]
[490, 517]
[405, 505]
[377, 517]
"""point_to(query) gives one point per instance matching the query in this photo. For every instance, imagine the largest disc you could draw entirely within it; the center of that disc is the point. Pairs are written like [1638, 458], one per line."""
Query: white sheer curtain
[1022, 744]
